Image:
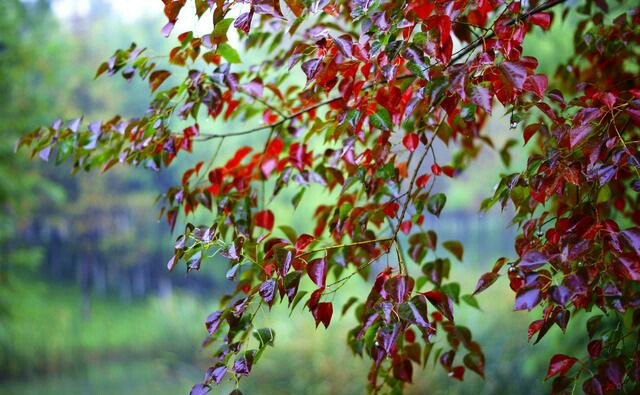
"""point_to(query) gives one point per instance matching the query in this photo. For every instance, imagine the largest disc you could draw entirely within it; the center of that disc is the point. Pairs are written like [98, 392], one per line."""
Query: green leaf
[65, 149]
[298, 197]
[386, 172]
[454, 247]
[297, 300]
[436, 203]
[471, 301]
[349, 303]
[289, 232]
[265, 336]
[219, 34]
[453, 290]
[381, 119]
[345, 209]
[230, 54]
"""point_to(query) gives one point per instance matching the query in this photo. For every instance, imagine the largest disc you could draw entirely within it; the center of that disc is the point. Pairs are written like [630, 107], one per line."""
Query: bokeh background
[86, 304]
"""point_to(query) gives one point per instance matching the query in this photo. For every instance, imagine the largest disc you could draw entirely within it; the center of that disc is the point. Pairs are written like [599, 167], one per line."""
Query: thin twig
[333, 247]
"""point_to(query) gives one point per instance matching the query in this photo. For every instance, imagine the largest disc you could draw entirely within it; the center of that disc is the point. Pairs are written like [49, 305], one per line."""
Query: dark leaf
[322, 313]
[244, 362]
[317, 271]
[265, 336]
[267, 291]
[436, 203]
[442, 302]
[454, 247]
[485, 281]
[560, 364]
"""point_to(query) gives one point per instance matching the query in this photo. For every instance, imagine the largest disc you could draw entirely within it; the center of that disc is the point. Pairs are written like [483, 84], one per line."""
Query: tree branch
[459, 56]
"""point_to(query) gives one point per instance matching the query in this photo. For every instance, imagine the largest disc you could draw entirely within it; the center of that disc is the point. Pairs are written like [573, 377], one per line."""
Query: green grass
[152, 346]
[47, 332]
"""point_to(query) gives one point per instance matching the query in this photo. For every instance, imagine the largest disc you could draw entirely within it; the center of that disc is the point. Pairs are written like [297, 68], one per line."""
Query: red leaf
[157, 78]
[322, 313]
[576, 135]
[485, 281]
[317, 271]
[435, 169]
[402, 370]
[542, 19]
[457, 373]
[536, 84]
[405, 227]
[530, 130]
[422, 180]
[560, 364]
[391, 209]
[449, 171]
[442, 302]
[515, 73]
[265, 219]
[399, 288]
[411, 141]
[303, 241]
[595, 348]
[534, 328]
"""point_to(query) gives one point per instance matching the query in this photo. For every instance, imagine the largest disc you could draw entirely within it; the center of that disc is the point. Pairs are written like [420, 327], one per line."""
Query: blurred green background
[86, 305]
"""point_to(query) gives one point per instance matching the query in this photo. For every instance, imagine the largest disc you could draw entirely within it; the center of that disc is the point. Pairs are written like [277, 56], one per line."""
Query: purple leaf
[482, 97]
[199, 389]
[213, 321]
[592, 387]
[45, 153]
[311, 68]
[515, 73]
[291, 283]
[243, 22]
[166, 30]
[527, 298]
[532, 260]
[632, 236]
[614, 370]
[243, 363]
[344, 44]
[267, 291]
[577, 134]
[415, 311]
[559, 294]
[628, 267]
[215, 373]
